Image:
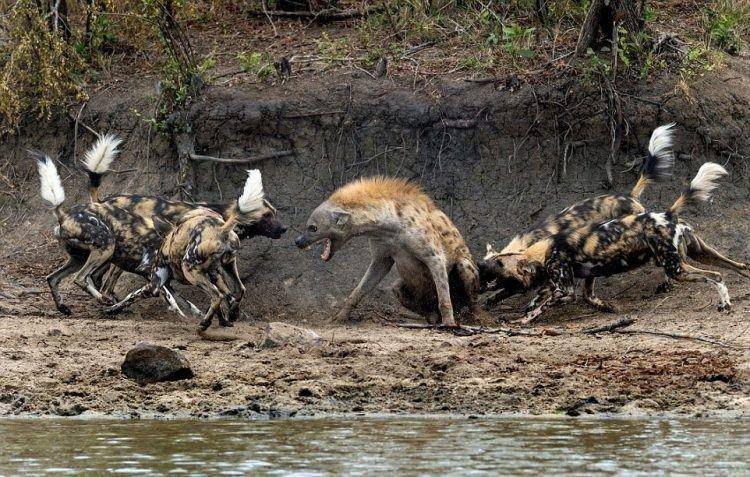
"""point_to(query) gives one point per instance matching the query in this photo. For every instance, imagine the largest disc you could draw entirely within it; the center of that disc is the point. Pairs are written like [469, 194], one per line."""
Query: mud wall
[496, 159]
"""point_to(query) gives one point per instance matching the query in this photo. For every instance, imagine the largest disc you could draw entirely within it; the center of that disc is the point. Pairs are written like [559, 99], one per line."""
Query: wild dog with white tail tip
[519, 266]
[94, 234]
[201, 250]
[406, 229]
[624, 244]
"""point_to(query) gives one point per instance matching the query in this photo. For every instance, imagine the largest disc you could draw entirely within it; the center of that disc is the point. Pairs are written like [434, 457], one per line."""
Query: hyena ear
[341, 218]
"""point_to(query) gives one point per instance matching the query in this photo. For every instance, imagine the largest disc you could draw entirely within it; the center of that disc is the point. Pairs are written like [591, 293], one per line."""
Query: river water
[377, 446]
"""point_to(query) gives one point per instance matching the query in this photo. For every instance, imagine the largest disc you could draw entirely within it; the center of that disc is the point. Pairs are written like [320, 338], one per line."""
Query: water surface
[398, 446]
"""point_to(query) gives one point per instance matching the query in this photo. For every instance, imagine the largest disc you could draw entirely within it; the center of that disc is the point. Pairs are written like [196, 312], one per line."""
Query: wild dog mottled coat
[406, 229]
[201, 250]
[95, 234]
[624, 244]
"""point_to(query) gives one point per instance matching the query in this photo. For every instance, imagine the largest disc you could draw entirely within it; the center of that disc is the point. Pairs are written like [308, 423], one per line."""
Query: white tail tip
[662, 138]
[99, 158]
[704, 181]
[51, 188]
[252, 194]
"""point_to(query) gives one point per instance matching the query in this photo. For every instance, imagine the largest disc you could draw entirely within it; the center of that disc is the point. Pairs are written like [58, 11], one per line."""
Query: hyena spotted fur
[201, 250]
[405, 228]
[624, 244]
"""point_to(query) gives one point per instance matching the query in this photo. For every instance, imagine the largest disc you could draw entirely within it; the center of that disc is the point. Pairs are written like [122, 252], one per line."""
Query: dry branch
[246, 160]
[682, 337]
[621, 323]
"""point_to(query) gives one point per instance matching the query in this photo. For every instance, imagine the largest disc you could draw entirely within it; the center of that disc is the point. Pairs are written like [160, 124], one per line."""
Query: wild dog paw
[606, 307]
[663, 287]
[64, 309]
[203, 325]
[725, 307]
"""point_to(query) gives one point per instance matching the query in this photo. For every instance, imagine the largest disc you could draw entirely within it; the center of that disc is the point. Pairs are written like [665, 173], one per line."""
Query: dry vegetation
[54, 52]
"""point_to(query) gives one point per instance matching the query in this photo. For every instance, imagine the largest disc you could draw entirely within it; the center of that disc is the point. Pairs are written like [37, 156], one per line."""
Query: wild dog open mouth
[326, 254]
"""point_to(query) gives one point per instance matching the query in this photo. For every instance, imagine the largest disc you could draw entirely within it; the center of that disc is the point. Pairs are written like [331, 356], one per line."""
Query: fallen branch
[682, 337]
[621, 323]
[246, 160]
[474, 330]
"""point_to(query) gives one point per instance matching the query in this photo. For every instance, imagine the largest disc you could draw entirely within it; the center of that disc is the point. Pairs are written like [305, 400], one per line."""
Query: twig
[92, 131]
[682, 337]
[621, 323]
[470, 330]
[246, 160]
[264, 6]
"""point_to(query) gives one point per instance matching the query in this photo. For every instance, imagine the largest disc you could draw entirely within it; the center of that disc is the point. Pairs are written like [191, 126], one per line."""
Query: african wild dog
[172, 211]
[95, 234]
[624, 244]
[406, 229]
[201, 249]
[519, 265]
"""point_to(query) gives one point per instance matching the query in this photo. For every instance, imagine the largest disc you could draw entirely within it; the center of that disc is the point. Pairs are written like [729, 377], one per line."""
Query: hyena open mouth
[327, 252]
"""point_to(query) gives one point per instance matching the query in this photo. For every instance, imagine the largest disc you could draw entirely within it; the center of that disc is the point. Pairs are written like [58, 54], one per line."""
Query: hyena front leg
[596, 302]
[469, 275]
[439, 274]
[378, 269]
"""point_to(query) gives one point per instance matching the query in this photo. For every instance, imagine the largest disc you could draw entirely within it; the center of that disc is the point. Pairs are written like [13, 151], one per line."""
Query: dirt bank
[494, 158]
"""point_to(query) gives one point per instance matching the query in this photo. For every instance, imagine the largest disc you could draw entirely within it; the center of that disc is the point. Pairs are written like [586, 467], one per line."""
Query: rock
[149, 363]
[281, 334]
[69, 410]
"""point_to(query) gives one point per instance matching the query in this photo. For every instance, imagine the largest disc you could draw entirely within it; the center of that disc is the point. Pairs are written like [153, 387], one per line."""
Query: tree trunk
[604, 17]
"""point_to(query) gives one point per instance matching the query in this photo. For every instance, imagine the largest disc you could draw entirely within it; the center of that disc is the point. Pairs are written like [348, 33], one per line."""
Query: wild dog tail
[657, 165]
[51, 188]
[700, 188]
[251, 201]
[97, 161]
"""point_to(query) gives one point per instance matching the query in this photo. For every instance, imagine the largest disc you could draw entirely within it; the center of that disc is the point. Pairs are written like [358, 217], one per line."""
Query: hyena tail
[249, 203]
[51, 188]
[97, 161]
[700, 188]
[657, 166]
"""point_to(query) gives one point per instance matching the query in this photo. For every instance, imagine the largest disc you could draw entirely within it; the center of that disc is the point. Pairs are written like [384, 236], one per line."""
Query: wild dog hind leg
[681, 271]
[53, 281]
[591, 299]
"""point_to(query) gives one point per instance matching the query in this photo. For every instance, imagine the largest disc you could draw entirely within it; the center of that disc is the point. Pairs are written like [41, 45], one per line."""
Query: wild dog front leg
[378, 269]
[232, 277]
[53, 281]
[591, 299]
[440, 277]
[561, 290]
[96, 259]
[201, 280]
[110, 280]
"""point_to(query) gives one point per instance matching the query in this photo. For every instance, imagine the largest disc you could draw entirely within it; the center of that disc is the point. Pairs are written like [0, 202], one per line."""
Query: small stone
[68, 410]
[282, 334]
[149, 363]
